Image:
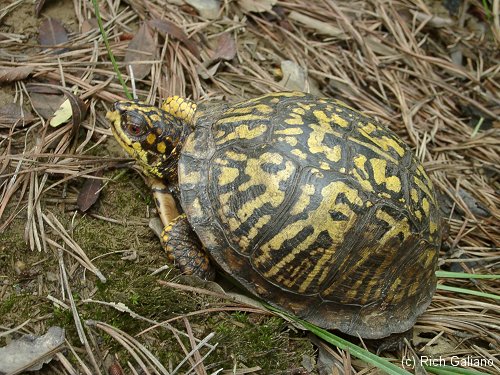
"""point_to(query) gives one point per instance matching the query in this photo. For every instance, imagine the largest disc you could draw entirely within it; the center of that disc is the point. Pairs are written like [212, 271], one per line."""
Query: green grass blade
[108, 48]
[463, 275]
[467, 291]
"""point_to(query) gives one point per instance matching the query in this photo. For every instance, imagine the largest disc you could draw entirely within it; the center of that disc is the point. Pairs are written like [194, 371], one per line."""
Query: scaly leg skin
[181, 243]
[185, 250]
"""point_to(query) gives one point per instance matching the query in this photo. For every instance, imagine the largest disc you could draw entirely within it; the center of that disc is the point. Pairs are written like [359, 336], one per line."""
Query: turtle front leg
[185, 250]
[181, 243]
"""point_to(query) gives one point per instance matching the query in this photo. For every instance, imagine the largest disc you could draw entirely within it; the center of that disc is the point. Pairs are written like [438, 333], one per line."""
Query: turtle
[308, 204]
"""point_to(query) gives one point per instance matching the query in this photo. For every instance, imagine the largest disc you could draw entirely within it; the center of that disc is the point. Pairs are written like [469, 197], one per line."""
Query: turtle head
[153, 136]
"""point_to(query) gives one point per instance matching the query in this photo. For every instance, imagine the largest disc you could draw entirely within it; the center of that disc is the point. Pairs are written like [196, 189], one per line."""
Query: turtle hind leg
[185, 250]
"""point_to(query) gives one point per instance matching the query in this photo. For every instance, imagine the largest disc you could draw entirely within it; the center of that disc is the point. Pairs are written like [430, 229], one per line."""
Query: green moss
[265, 342]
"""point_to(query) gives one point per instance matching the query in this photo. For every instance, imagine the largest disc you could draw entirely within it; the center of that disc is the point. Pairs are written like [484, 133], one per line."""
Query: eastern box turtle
[307, 203]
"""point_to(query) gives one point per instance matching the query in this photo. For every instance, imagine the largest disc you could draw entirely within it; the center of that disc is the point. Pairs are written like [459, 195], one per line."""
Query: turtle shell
[316, 209]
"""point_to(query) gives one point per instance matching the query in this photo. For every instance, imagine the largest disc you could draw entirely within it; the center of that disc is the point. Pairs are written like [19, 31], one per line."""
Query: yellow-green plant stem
[108, 48]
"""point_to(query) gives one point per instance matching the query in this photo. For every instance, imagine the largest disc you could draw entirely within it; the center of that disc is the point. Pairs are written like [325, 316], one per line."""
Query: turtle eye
[135, 124]
[134, 129]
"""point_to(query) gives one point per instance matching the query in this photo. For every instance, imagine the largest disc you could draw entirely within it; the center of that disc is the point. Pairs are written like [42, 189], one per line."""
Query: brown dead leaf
[51, 33]
[89, 25]
[15, 74]
[46, 104]
[90, 192]
[140, 48]
[226, 48]
[170, 28]
[11, 113]
[258, 6]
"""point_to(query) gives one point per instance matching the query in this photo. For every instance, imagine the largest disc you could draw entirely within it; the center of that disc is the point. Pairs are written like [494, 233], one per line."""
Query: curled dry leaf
[140, 48]
[51, 33]
[167, 27]
[15, 74]
[257, 6]
[90, 192]
[208, 9]
[47, 104]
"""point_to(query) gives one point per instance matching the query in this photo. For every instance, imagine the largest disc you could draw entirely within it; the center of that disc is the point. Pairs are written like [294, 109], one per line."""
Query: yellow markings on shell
[392, 183]
[161, 147]
[262, 108]
[376, 150]
[368, 128]
[319, 220]
[289, 131]
[273, 194]
[299, 111]
[326, 120]
[383, 142]
[228, 175]
[325, 166]
[241, 118]
[191, 178]
[151, 138]
[243, 132]
[299, 153]
[295, 119]
[432, 227]
[254, 231]
[423, 187]
[342, 104]
[353, 291]
[292, 141]
[304, 199]
[414, 195]
[418, 214]
[306, 107]
[359, 161]
[396, 226]
[236, 156]
[365, 183]
[425, 206]
[315, 143]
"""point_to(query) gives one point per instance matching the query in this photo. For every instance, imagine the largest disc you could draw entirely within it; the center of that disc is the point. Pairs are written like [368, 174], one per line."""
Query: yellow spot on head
[161, 147]
[151, 138]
